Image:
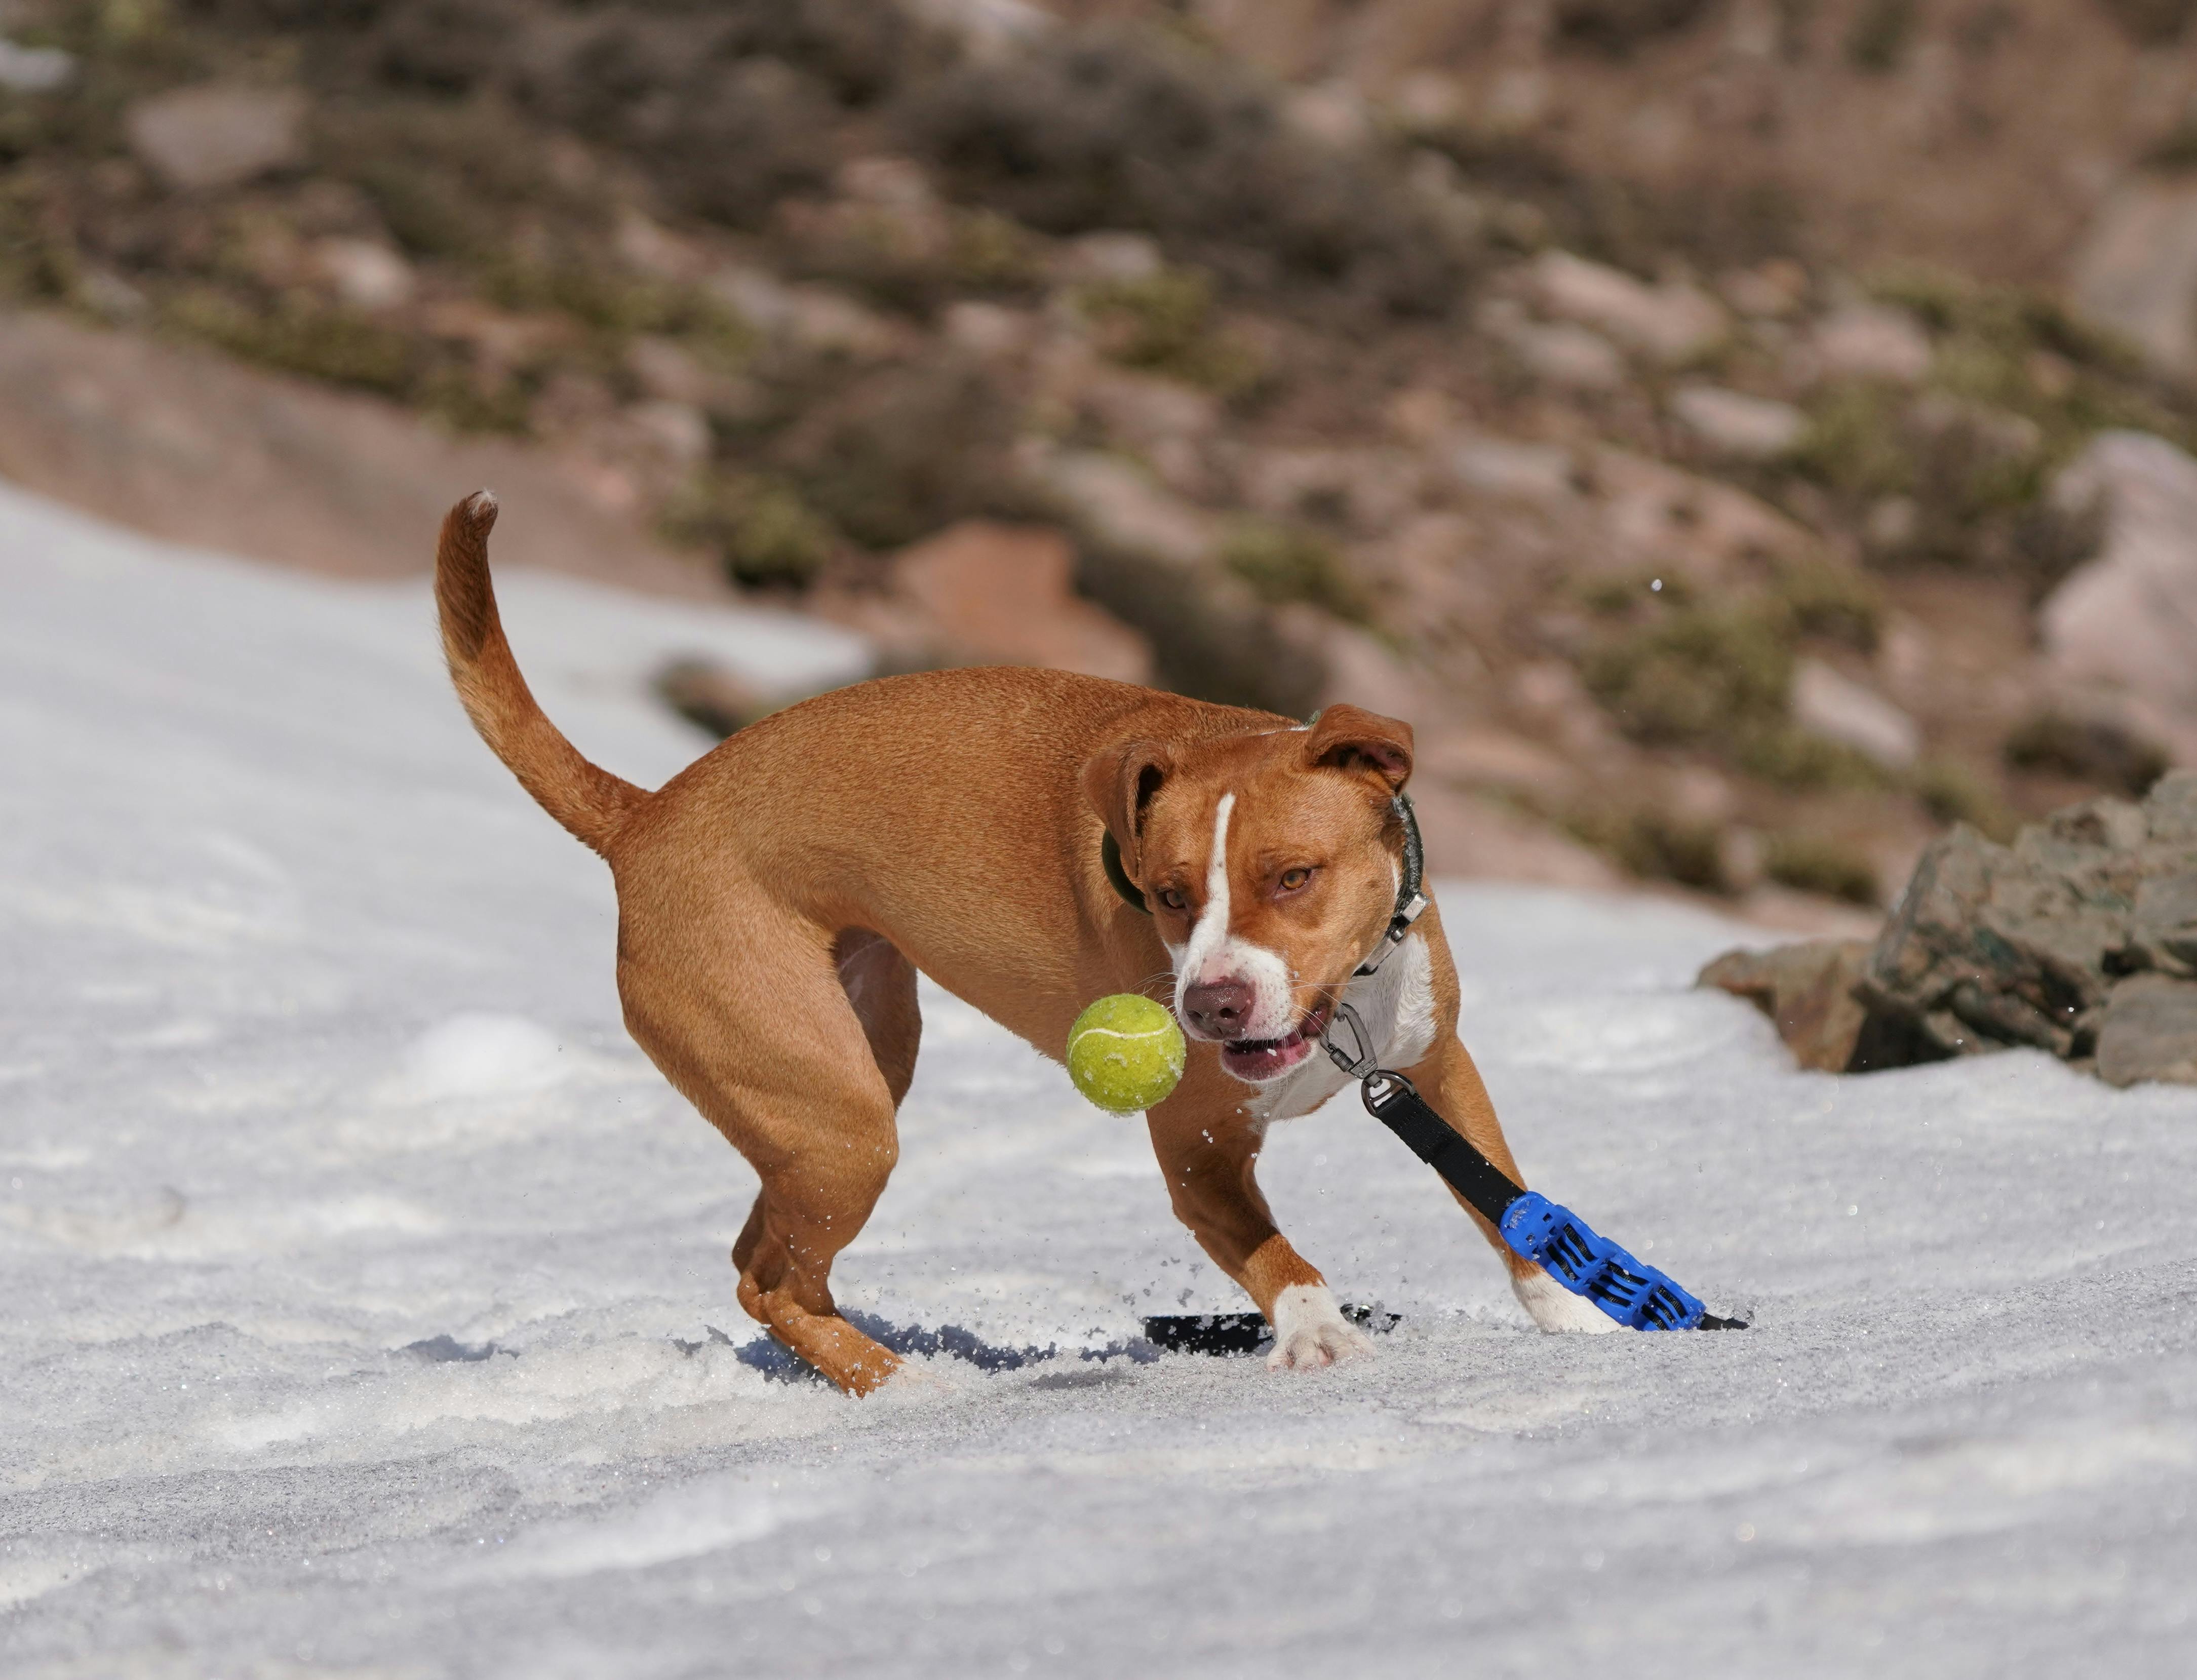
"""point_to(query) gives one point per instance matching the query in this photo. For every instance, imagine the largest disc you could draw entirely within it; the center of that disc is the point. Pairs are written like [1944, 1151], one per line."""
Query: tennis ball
[1125, 1053]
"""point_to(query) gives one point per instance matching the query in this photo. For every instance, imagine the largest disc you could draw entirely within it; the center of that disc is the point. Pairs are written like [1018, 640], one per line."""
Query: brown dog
[777, 898]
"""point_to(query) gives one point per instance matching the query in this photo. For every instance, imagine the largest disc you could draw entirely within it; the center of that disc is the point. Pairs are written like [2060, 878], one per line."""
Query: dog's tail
[587, 799]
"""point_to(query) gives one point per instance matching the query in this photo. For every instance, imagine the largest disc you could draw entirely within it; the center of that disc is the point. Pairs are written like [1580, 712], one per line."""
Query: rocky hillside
[1743, 435]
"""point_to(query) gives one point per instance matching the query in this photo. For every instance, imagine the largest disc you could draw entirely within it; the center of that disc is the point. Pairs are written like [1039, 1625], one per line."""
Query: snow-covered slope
[358, 1271]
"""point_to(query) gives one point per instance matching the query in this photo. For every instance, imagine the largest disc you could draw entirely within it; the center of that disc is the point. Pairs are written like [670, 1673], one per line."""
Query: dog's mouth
[1258, 1060]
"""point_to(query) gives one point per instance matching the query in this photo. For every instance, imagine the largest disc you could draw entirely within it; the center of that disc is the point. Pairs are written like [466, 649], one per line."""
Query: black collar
[1409, 899]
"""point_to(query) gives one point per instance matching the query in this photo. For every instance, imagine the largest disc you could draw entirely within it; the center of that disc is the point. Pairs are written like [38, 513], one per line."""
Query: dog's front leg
[1449, 1082]
[1207, 1145]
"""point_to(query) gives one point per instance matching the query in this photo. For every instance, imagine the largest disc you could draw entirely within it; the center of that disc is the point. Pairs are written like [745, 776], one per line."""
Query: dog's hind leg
[880, 983]
[748, 1016]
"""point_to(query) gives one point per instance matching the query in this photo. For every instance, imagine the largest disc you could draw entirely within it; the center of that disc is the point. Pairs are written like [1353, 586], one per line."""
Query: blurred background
[1742, 436]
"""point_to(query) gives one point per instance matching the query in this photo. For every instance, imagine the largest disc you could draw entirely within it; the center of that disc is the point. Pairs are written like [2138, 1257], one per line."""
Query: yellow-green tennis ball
[1125, 1053]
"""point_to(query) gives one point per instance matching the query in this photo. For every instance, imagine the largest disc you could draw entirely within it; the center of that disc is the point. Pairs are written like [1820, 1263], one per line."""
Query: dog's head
[1270, 862]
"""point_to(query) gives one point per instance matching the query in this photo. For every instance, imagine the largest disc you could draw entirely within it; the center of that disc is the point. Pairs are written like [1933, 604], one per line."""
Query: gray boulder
[2150, 1032]
[2034, 943]
[2080, 938]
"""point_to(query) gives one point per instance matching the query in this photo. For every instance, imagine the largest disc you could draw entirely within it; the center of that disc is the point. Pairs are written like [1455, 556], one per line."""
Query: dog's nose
[1218, 1008]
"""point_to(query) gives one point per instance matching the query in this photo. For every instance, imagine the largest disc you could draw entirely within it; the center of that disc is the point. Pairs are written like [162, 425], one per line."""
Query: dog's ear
[1119, 783]
[1350, 738]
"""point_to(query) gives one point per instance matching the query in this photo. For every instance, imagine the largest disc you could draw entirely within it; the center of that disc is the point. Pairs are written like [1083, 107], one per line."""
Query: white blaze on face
[1214, 954]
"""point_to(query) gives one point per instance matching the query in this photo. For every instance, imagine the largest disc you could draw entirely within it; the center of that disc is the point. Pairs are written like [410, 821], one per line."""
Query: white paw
[1554, 1308]
[1310, 1331]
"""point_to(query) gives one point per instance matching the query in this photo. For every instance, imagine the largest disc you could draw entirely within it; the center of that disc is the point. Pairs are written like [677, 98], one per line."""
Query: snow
[367, 1310]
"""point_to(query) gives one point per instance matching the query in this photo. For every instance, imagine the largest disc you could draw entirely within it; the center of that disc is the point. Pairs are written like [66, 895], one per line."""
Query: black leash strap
[1395, 1102]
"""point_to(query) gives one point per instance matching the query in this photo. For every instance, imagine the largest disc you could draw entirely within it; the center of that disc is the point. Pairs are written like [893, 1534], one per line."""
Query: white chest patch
[1396, 1002]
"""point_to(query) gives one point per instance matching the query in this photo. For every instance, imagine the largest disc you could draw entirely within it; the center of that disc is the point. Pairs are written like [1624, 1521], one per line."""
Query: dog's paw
[1310, 1331]
[1554, 1307]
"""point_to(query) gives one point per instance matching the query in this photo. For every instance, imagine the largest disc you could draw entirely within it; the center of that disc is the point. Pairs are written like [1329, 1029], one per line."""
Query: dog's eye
[1292, 879]
[1174, 899]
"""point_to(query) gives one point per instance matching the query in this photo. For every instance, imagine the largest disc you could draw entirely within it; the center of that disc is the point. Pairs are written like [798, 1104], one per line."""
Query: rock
[35, 69]
[987, 30]
[1703, 530]
[2135, 269]
[2169, 810]
[2150, 1032]
[1331, 113]
[1870, 341]
[1124, 509]
[679, 430]
[897, 182]
[1143, 410]
[1807, 990]
[202, 138]
[989, 332]
[811, 318]
[709, 696]
[365, 274]
[1771, 291]
[2034, 944]
[1373, 488]
[1828, 704]
[1003, 594]
[1568, 356]
[1984, 951]
[1098, 259]
[111, 298]
[2164, 933]
[2126, 620]
[1522, 471]
[1733, 424]
[1672, 323]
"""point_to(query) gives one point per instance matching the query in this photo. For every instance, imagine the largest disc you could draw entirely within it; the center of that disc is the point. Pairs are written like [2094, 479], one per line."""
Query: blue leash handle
[1630, 1290]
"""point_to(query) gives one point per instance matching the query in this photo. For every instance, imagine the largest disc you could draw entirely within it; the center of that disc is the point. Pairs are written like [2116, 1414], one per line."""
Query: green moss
[759, 528]
[301, 335]
[1853, 443]
[1817, 863]
[1619, 594]
[37, 259]
[1825, 599]
[1164, 323]
[1792, 758]
[991, 252]
[911, 448]
[1656, 845]
[1288, 563]
[1699, 674]
[460, 401]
